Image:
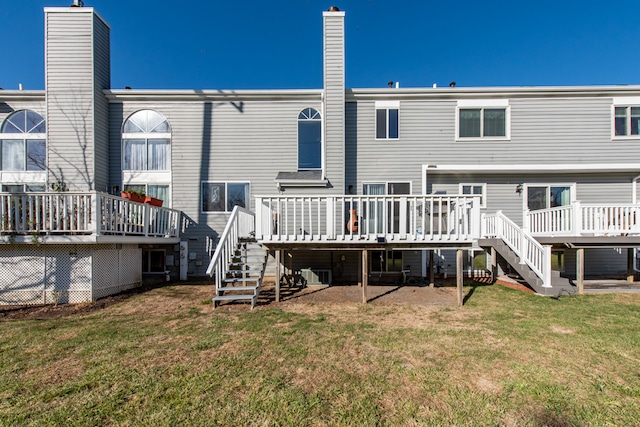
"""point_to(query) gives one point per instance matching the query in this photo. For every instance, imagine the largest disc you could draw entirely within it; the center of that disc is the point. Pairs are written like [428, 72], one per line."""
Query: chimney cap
[452, 84]
[334, 9]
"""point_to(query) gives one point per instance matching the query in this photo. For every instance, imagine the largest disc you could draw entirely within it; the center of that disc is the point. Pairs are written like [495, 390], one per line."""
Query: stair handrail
[241, 224]
[522, 243]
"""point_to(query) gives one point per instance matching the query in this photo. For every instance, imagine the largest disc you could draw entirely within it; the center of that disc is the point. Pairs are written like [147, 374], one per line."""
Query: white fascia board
[19, 95]
[509, 168]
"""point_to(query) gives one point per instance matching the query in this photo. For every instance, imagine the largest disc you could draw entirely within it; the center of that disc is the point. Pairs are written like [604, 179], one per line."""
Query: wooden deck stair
[244, 274]
[559, 285]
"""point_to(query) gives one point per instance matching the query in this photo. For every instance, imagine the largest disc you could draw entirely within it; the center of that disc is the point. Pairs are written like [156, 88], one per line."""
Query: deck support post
[278, 273]
[630, 262]
[432, 277]
[459, 277]
[494, 264]
[365, 274]
[580, 270]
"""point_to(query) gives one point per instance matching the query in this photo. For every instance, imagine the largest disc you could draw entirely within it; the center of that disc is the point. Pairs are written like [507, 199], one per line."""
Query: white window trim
[166, 204]
[464, 104]
[624, 102]
[483, 196]
[385, 105]
[226, 183]
[146, 137]
[526, 186]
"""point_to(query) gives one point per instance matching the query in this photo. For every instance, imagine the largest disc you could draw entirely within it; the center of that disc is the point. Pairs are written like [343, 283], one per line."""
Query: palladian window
[146, 141]
[23, 142]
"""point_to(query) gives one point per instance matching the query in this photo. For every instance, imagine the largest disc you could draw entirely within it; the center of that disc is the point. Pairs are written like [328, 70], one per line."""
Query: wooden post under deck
[432, 281]
[459, 277]
[365, 274]
[278, 273]
[630, 264]
[494, 264]
[580, 270]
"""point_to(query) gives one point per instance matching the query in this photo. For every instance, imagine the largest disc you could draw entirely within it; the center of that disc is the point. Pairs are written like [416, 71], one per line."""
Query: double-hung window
[387, 119]
[483, 119]
[476, 190]
[626, 121]
[223, 196]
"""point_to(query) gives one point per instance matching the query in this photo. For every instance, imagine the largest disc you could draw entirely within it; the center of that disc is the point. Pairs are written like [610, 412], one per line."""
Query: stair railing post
[258, 219]
[523, 234]
[546, 267]
[576, 223]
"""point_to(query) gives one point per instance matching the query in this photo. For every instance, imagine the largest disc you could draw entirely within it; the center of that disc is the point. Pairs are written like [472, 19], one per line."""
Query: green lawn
[163, 358]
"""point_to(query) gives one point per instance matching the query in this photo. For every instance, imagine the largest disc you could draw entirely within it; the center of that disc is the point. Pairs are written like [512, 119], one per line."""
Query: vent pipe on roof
[20, 86]
[334, 9]
[77, 3]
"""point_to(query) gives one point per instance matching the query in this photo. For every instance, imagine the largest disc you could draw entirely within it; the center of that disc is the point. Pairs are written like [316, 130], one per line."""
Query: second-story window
[483, 119]
[627, 121]
[146, 138]
[483, 122]
[387, 120]
[23, 142]
[309, 139]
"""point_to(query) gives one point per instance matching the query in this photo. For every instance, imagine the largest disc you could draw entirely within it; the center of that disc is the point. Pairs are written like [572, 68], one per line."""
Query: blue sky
[251, 44]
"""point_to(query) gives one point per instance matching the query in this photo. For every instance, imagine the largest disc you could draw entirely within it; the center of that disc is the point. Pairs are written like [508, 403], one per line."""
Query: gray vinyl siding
[334, 119]
[70, 97]
[102, 73]
[239, 141]
[598, 263]
[423, 127]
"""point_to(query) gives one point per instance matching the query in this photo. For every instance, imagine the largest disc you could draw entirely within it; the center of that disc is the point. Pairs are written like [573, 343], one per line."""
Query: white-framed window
[545, 196]
[223, 196]
[146, 142]
[23, 144]
[626, 121]
[309, 139]
[23, 188]
[476, 190]
[387, 119]
[483, 119]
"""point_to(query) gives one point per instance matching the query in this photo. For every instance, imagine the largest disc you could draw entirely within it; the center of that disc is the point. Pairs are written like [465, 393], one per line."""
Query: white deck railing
[580, 219]
[530, 252]
[240, 225]
[84, 213]
[392, 218]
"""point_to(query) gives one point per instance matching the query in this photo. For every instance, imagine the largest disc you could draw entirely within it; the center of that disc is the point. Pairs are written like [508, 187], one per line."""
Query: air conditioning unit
[316, 277]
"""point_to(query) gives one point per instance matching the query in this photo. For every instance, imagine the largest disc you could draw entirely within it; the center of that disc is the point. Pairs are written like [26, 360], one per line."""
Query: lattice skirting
[50, 274]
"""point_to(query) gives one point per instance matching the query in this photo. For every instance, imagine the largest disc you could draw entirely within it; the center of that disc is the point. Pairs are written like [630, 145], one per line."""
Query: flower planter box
[134, 197]
[153, 201]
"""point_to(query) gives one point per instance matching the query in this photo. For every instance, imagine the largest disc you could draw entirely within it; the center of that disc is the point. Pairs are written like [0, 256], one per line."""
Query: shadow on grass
[476, 283]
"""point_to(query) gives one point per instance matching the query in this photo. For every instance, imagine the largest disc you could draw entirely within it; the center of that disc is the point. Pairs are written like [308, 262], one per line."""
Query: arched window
[23, 142]
[309, 139]
[146, 138]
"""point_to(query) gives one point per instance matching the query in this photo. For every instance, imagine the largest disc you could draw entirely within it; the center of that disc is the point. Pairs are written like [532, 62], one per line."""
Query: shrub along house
[339, 185]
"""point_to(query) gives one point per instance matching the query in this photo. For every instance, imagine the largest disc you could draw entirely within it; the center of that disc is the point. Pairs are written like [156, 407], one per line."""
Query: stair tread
[240, 279]
[234, 297]
[238, 288]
